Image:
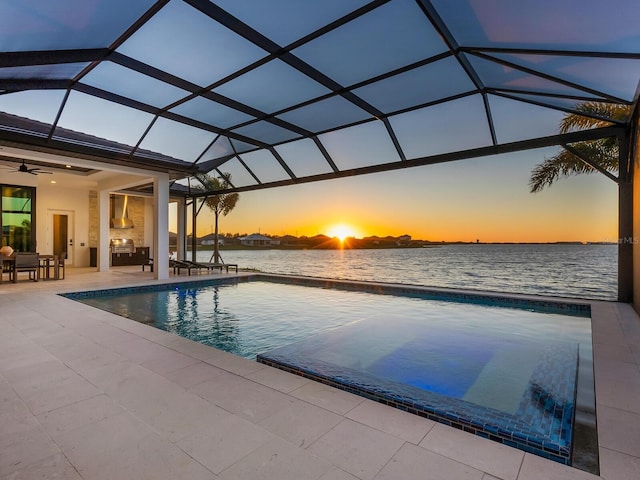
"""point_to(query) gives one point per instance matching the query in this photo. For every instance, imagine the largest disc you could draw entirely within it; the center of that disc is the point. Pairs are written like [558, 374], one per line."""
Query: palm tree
[221, 203]
[603, 152]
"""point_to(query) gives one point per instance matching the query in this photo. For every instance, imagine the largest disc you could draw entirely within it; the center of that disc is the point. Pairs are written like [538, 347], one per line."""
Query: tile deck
[85, 394]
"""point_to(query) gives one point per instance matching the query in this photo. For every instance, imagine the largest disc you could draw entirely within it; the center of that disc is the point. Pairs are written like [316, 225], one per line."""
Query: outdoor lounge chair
[221, 266]
[199, 266]
[178, 265]
[25, 262]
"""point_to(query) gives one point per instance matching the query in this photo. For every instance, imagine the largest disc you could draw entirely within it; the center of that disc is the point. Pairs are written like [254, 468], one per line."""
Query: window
[18, 215]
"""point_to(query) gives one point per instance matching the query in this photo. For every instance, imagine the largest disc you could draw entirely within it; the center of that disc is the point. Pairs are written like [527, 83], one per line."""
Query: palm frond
[219, 203]
[547, 172]
[566, 163]
[603, 152]
[573, 122]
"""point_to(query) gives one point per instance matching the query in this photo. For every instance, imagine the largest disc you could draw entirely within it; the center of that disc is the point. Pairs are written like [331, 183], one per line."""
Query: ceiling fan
[33, 171]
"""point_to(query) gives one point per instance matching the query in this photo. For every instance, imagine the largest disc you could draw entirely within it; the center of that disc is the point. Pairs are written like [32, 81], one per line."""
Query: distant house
[257, 240]
[403, 240]
[289, 241]
[210, 239]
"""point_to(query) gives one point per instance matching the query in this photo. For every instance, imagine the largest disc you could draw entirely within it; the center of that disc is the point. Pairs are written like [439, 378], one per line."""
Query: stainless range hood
[119, 214]
[121, 223]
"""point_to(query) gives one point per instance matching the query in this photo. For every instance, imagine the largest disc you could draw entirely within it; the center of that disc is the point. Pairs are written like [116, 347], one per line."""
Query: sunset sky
[298, 89]
[486, 199]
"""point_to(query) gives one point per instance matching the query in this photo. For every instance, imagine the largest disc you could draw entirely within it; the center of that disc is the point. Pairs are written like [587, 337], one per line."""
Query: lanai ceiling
[276, 92]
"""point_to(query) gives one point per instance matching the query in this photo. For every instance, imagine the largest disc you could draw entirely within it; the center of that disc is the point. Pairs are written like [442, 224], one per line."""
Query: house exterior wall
[48, 199]
[81, 202]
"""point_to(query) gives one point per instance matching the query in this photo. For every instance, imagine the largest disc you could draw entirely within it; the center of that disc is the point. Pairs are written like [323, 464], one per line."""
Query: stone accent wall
[94, 224]
[135, 210]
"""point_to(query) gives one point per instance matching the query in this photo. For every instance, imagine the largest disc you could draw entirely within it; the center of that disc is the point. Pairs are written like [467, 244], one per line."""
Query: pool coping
[616, 333]
[583, 410]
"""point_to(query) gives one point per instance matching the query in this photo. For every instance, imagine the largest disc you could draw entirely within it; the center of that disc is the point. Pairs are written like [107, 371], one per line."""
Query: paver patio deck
[85, 394]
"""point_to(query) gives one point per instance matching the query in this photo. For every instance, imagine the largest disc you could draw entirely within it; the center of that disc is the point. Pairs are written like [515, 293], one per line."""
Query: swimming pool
[508, 374]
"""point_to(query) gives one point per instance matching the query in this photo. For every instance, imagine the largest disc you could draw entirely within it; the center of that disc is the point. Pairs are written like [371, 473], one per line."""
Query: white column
[182, 229]
[104, 253]
[161, 226]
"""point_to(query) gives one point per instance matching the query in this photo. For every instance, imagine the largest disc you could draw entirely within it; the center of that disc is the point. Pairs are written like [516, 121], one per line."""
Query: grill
[122, 245]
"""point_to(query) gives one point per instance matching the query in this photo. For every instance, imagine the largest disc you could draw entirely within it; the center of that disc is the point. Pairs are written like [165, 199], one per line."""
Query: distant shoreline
[379, 247]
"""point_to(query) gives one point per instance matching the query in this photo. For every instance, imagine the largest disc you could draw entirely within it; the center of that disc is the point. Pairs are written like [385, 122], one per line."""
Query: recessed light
[68, 166]
[53, 181]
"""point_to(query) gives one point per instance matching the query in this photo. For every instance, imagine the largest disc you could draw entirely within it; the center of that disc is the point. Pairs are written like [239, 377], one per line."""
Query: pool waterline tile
[563, 306]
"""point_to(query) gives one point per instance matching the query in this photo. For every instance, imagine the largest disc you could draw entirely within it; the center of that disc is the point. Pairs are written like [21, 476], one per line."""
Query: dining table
[49, 266]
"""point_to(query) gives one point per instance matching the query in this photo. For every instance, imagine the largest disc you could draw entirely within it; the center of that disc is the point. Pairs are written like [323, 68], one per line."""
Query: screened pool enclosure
[282, 92]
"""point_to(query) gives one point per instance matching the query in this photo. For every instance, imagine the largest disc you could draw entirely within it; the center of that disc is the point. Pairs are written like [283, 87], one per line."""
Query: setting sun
[341, 232]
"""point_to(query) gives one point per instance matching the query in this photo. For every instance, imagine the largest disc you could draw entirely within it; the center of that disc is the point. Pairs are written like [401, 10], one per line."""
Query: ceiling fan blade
[23, 168]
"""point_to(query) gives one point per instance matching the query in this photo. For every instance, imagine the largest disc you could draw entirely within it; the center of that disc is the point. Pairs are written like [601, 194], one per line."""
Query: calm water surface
[581, 271]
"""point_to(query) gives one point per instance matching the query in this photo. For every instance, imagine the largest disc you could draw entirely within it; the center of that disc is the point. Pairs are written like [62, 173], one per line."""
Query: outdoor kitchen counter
[138, 256]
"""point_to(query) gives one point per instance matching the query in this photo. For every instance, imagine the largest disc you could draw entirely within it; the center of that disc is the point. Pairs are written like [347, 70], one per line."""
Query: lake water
[580, 271]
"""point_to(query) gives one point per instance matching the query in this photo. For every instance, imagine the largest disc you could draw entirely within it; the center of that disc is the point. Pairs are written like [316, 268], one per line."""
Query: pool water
[508, 374]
